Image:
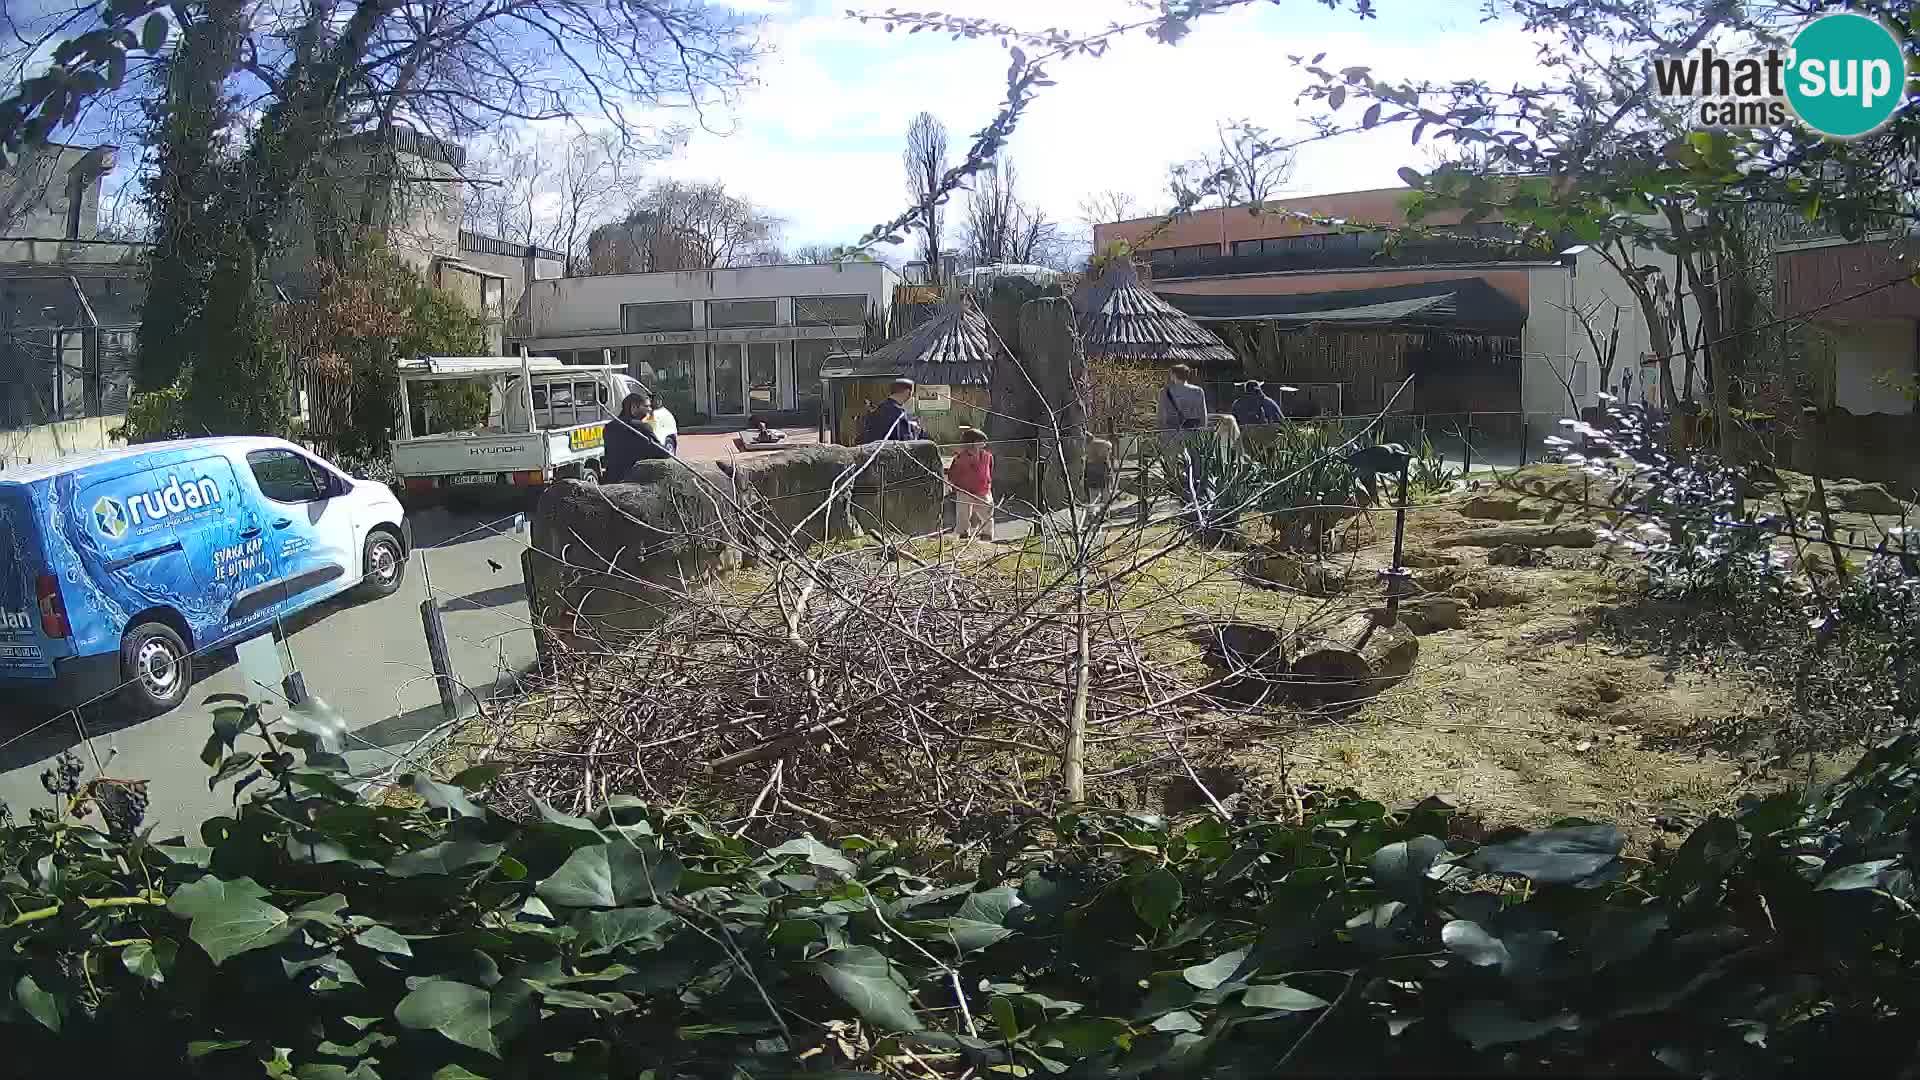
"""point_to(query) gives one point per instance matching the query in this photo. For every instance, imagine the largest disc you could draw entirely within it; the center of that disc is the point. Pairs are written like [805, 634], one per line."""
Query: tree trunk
[1693, 249]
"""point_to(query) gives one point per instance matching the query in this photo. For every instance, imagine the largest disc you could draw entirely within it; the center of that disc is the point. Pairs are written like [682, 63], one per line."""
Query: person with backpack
[1183, 420]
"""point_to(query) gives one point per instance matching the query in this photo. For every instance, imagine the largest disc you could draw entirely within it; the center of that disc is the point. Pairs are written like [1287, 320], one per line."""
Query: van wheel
[590, 472]
[157, 669]
[385, 565]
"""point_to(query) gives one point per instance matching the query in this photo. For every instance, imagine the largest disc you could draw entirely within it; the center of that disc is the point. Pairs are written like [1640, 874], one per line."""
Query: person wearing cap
[1254, 406]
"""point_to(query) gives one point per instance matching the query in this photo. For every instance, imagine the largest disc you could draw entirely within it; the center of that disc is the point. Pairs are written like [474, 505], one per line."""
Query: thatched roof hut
[1122, 319]
[954, 348]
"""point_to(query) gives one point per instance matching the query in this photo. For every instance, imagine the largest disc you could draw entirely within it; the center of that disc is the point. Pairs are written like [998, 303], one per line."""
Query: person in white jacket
[664, 426]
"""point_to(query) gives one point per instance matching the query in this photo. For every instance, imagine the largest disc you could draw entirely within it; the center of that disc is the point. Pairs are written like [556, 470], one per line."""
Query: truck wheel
[590, 472]
[157, 669]
[384, 563]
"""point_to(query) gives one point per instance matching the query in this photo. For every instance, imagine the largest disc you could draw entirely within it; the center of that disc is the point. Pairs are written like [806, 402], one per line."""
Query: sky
[818, 139]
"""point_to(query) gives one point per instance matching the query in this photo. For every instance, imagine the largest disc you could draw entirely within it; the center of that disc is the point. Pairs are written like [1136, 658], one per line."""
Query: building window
[1246, 247]
[808, 358]
[666, 370]
[722, 314]
[656, 318]
[829, 310]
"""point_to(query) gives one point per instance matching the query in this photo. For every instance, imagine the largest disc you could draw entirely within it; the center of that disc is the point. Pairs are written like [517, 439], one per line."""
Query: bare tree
[1001, 228]
[926, 163]
[1103, 208]
[1247, 168]
[821, 254]
[687, 225]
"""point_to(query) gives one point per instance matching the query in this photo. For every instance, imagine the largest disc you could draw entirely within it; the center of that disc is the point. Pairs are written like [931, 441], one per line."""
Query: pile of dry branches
[868, 686]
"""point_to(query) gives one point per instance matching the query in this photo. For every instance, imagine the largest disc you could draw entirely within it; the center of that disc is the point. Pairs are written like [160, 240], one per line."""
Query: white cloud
[818, 140]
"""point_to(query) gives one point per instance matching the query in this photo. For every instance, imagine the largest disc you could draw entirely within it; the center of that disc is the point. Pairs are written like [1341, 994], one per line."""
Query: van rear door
[24, 650]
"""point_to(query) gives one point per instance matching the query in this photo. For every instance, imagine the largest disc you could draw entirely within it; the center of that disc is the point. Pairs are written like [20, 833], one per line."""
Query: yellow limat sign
[587, 438]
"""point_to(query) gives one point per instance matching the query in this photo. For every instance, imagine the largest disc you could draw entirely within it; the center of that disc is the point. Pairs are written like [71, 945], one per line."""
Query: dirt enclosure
[1548, 685]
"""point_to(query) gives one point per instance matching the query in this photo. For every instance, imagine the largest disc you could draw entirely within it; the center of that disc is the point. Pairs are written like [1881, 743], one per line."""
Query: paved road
[368, 661]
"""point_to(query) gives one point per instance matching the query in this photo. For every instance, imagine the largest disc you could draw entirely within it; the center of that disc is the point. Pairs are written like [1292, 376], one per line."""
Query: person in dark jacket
[890, 420]
[630, 439]
[1253, 406]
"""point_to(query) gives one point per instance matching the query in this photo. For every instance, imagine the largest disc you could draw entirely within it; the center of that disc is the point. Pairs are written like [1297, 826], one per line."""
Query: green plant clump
[314, 933]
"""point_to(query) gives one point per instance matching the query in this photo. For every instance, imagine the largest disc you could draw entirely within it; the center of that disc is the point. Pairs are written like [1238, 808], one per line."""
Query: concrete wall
[50, 442]
[589, 305]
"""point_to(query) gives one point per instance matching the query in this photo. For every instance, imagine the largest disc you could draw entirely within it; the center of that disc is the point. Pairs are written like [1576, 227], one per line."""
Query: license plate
[473, 478]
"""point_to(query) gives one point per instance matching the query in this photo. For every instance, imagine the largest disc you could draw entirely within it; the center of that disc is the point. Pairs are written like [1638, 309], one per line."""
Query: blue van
[117, 566]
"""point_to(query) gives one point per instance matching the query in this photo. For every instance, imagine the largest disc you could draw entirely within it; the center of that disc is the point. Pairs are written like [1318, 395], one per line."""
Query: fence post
[442, 664]
[1466, 440]
[1526, 437]
[1039, 469]
[1142, 497]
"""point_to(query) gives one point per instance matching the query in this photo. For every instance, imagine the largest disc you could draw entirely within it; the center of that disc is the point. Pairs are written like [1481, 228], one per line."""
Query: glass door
[763, 380]
[725, 379]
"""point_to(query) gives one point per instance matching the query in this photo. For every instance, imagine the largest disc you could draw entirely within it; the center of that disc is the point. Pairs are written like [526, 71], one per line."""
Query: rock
[1502, 506]
[1289, 571]
[1513, 555]
[1422, 559]
[897, 494]
[1530, 536]
[611, 560]
[1850, 497]
[1428, 614]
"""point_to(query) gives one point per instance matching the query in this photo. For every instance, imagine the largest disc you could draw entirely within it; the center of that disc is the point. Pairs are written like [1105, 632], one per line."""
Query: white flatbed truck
[545, 421]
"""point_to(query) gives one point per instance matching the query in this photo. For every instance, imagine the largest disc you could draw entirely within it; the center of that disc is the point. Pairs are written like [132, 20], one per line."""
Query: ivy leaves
[485, 1020]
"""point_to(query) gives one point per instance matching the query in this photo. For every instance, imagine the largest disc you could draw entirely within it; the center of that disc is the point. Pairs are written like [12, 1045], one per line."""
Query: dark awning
[1460, 304]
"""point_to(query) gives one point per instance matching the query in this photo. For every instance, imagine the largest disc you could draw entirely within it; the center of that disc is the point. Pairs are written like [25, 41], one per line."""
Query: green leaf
[383, 939]
[233, 766]
[1082, 1035]
[1281, 998]
[456, 1072]
[603, 930]
[1155, 896]
[148, 960]
[1004, 1017]
[863, 978]
[1862, 875]
[1400, 870]
[444, 796]
[43, 1006]
[200, 1048]
[238, 924]
[610, 874]
[325, 911]
[153, 33]
[443, 858]
[1473, 944]
[1410, 176]
[1215, 971]
[470, 1016]
[210, 892]
[816, 853]
[1552, 856]
[1372, 116]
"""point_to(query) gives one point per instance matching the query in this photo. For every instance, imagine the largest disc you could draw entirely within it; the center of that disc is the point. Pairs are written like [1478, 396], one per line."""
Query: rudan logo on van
[115, 520]
[15, 620]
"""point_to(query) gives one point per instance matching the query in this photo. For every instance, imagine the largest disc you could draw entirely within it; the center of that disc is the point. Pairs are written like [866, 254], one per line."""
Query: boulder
[1502, 506]
[1422, 559]
[901, 493]
[1850, 497]
[1529, 536]
[1485, 591]
[1438, 579]
[609, 561]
